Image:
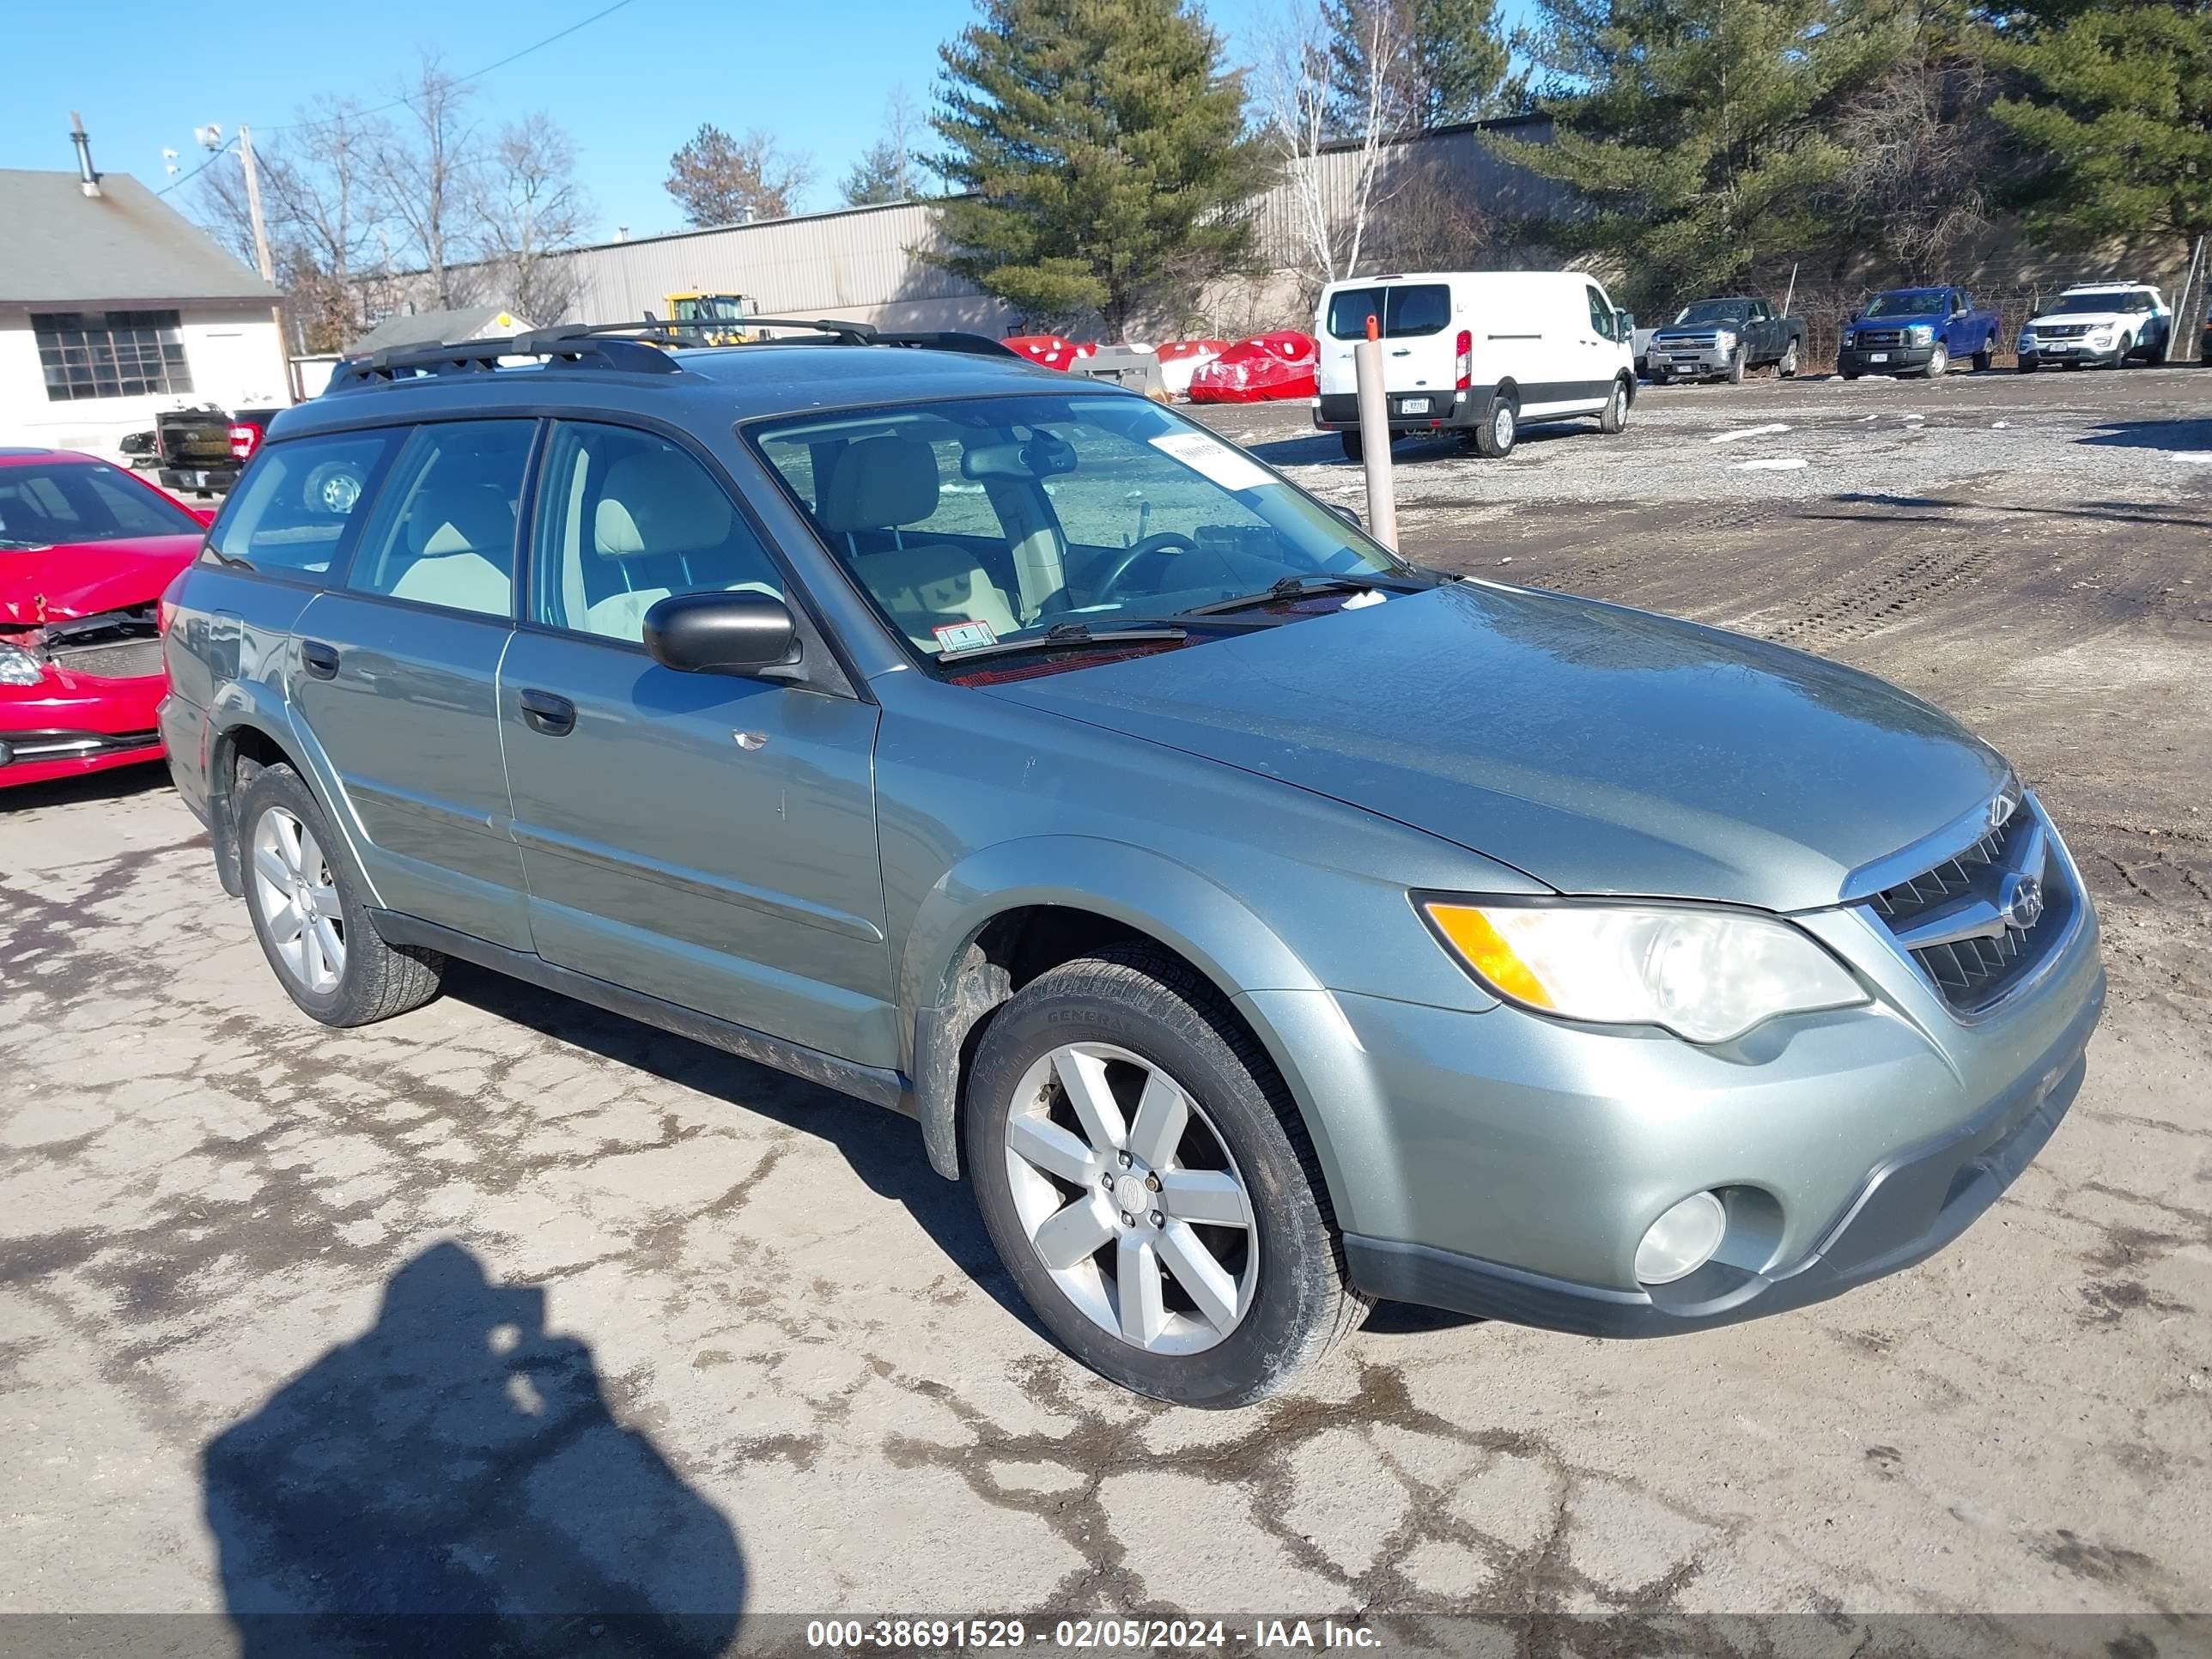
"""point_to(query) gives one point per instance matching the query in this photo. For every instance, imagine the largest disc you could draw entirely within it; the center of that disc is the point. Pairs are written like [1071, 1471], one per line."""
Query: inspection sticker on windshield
[965, 635]
[1217, 461]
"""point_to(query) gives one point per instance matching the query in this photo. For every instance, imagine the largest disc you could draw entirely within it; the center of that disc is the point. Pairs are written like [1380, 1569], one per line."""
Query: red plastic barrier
[1283, 364]
[1053, 351]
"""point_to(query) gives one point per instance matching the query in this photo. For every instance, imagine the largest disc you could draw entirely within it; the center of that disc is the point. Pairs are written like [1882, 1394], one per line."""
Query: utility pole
[261, 247]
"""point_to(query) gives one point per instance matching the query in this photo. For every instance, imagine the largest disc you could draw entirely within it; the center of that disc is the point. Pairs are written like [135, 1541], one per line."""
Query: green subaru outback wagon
[1261, 923]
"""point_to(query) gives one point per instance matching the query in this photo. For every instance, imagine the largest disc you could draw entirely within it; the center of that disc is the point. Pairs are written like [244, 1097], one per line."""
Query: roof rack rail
[407, 363]
[640, 347]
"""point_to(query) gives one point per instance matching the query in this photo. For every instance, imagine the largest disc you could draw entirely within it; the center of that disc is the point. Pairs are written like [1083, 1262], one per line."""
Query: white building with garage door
[114, 306]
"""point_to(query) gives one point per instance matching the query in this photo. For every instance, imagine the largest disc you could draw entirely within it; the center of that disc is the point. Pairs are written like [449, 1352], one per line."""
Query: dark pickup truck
[1719, 339]
[1917, 331]
[201, 450]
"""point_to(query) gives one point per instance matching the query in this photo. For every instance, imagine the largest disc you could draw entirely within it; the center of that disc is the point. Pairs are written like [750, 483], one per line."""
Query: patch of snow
[1746, 432]
[2191, 454]
[1999, 426]
[1775, 464]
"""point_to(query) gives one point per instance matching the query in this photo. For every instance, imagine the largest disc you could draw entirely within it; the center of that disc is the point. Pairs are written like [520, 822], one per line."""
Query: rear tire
[1787, 368]
[1614, 417]
[1500, 429]
[1985, 356]
[1354, 449]
[1262, 1296]
[310, 917]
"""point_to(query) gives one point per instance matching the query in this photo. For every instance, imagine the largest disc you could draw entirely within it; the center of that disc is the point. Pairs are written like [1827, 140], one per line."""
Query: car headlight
[1922, 334]
[19, 667]
[1725, 340]
[1705, 975]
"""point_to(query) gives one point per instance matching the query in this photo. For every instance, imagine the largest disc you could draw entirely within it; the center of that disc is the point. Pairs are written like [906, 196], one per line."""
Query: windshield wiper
[1294, 587]
[1066, 636]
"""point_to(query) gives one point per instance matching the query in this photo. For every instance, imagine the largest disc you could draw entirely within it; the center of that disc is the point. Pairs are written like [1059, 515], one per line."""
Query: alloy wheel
[1131, 1200]
[296, 896]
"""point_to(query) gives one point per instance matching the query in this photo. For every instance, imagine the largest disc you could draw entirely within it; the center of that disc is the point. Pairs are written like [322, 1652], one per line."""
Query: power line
[199, 170]
[462, 81]
[361, 115]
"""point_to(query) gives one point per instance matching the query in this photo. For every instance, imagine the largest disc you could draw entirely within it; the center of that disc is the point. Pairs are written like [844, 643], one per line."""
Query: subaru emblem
[2020, 901]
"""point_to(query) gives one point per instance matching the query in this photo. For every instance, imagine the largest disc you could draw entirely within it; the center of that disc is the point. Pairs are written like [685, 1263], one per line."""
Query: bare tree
[427, 174]
[721, 180]
[1300, 95]
[321, 212]
[1925, 153]
[528, 208]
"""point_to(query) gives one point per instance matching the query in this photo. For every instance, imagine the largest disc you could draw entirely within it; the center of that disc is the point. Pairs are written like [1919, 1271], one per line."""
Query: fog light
[1681, 1241]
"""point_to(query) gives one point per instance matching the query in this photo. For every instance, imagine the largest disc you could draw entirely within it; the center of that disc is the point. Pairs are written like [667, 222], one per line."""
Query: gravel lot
[512, 1296]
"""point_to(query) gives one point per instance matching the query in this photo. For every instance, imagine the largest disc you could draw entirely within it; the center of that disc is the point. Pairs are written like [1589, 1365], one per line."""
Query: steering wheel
[1158, 542]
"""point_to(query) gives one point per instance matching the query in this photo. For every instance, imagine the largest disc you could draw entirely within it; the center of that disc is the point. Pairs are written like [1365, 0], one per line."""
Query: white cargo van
[1477, 352]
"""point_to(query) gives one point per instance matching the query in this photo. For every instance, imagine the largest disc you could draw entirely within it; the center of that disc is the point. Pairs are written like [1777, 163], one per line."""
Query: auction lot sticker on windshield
[965, 635]
[1217, 461]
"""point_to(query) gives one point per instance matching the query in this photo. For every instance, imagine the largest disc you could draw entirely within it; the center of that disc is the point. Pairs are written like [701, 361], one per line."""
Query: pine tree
[1693, 138]
[1448, 62]
[885, 171]
[721, 180]
[1105, 152]
[2118, 111]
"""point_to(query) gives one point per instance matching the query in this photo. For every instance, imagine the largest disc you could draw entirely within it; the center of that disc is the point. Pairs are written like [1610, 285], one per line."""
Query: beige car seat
[884, 484]
[462, 536]
[659, 505]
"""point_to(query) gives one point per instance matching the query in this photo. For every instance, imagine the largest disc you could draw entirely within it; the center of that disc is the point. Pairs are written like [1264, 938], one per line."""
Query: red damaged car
[85, 550]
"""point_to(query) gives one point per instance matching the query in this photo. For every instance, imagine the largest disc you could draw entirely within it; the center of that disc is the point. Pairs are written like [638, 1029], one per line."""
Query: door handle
[320, 659]
[554, 716]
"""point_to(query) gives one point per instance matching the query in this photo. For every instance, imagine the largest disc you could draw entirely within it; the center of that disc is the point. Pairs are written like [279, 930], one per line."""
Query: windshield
[2108, 301]
[48, 504]
[1713, 311]
[974, 522]
[1918, 303]
[1404, 311]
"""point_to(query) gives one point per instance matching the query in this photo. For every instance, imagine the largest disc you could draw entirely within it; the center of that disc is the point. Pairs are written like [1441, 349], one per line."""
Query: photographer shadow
[452, 1482]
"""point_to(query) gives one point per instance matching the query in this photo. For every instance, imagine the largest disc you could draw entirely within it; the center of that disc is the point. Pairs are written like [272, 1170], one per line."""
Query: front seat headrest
[660, 501]
[879, 483]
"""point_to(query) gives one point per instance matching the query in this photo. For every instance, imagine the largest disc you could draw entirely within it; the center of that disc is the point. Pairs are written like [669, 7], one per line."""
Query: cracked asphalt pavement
[514, 1296]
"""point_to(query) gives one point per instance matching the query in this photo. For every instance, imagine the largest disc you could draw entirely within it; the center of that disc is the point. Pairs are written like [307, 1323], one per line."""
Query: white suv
[2103, 323]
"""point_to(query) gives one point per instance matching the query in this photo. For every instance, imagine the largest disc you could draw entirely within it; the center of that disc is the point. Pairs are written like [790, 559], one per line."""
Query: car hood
[51, 584]
[2094, 319]
[1732, 325]
[1598, 749]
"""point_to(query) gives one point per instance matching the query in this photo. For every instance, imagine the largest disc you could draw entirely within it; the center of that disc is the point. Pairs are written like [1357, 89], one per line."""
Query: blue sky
[629, 88]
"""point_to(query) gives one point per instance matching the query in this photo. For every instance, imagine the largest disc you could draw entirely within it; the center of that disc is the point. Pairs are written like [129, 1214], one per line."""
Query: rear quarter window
[291, 511]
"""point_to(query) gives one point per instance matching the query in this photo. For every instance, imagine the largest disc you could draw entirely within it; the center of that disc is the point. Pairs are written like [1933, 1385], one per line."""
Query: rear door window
[1405, 310]
[290, 513]
[444, 529]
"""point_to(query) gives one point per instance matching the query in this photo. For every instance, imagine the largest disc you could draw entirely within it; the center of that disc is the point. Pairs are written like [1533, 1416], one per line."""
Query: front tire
[2028, 364]
[310, 916]
[1736, 366]
[1149, 1183]
[1939, 362]
[1614, 416]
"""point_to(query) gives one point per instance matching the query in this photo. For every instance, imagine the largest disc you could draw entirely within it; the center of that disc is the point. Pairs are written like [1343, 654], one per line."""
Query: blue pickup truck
[1917, 331]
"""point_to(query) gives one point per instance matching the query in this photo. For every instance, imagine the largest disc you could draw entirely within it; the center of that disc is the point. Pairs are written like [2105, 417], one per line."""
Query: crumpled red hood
[55, 584]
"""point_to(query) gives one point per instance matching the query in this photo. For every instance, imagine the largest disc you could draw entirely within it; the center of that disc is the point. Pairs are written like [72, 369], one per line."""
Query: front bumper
[60, 731]
[1409, 411]
[2070, 351]
[1508, 1165]
[1686, 362]
[1882, 360]
[1909, 1206]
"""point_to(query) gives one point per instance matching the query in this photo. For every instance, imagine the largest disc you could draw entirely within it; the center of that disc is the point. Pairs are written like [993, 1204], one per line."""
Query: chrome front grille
[1984, 919]
[1881, 336]
[2060, 330]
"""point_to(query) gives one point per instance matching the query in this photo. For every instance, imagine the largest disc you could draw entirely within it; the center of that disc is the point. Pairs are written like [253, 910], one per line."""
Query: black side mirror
[750, 634]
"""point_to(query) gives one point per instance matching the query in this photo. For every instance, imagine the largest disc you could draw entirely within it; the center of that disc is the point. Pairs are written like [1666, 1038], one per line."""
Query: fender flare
[948, 988]
[258, 707]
